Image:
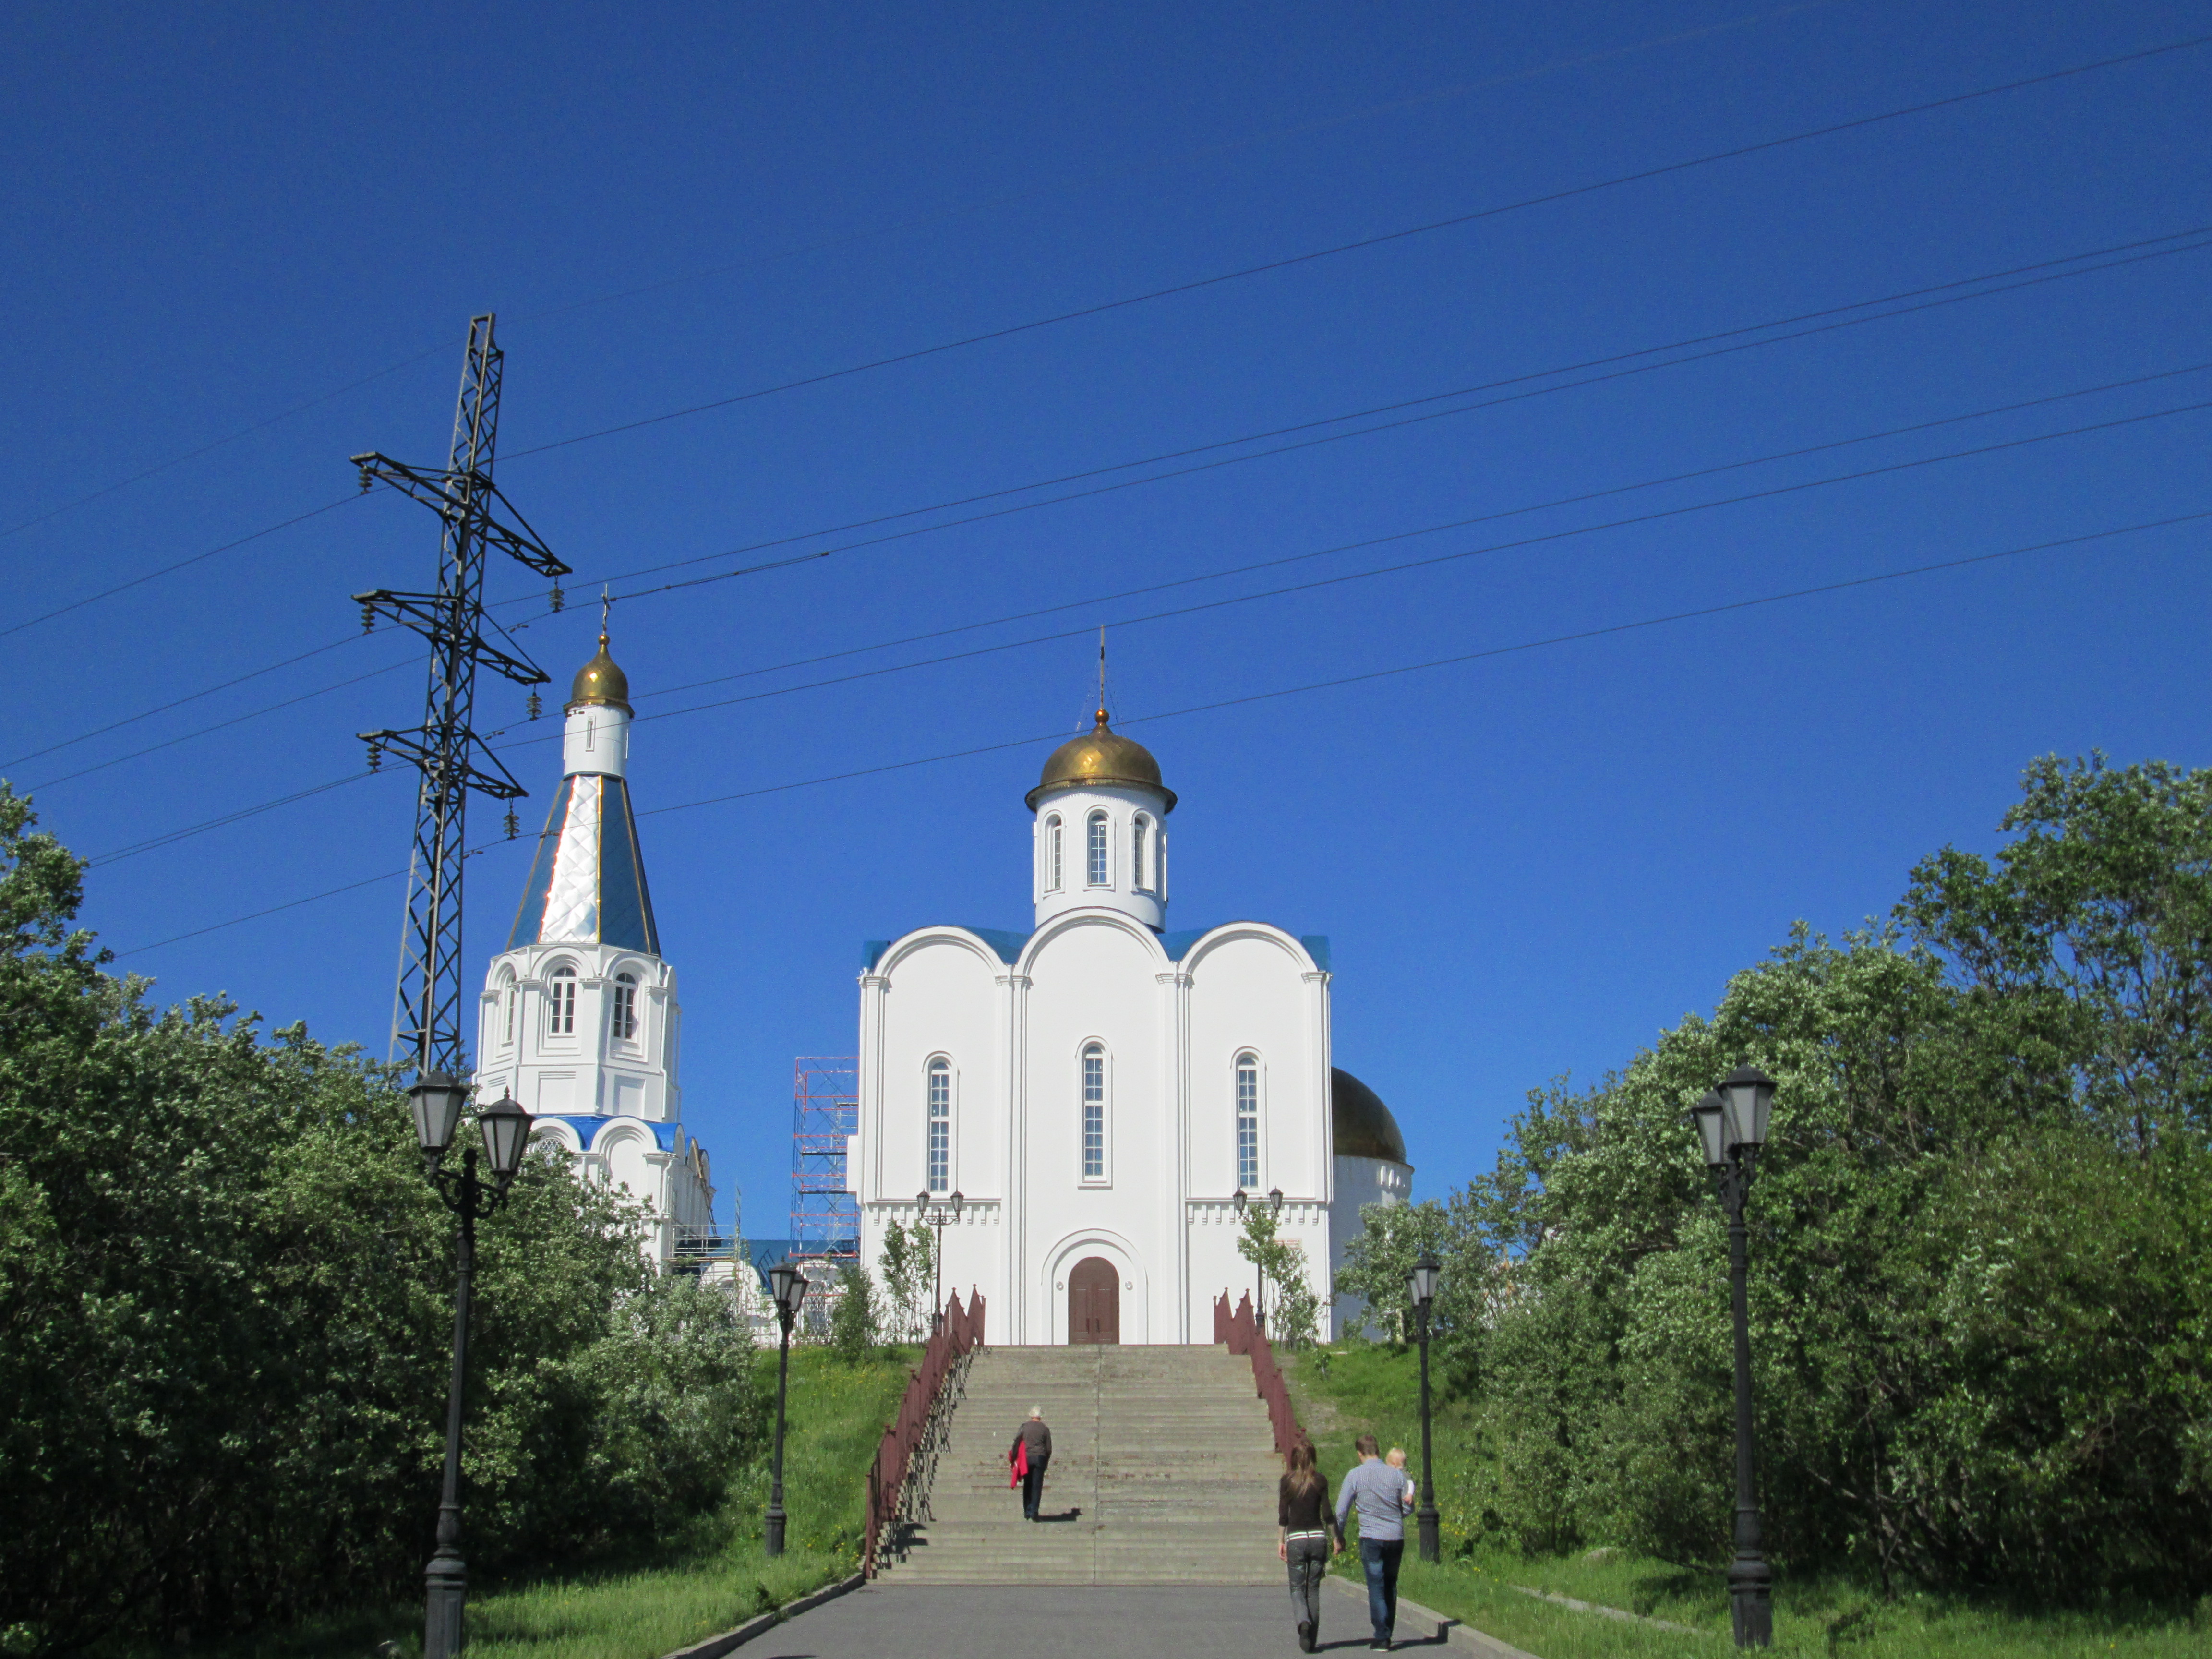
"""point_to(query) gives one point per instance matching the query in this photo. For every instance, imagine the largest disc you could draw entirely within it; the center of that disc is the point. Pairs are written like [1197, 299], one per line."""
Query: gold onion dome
[599, 682]
[1099, 757]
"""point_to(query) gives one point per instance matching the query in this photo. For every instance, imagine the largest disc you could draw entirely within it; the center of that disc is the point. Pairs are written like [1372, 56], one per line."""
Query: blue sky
[1527, 863]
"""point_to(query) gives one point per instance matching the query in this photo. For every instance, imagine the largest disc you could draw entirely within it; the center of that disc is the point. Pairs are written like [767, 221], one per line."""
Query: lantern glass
[436, 1100]
[1712, 1132]
[1423, 1280]
[1274, 1201]
[1238, 1201]
[506, 1130]
[1749, 1093]
[921, 1200]
[787, 1286]
[956, 1200]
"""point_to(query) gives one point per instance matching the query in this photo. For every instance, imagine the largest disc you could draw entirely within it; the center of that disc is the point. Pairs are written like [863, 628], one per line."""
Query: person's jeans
[1309, 1559]
[1032, 1491]
[1380, 1556]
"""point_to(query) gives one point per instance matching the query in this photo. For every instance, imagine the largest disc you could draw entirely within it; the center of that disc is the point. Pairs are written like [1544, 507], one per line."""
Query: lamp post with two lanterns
[436, 1100]
[787, 1283]
[1421, 1285]
[1731, 1122]
[937, 1301]
[1274, 1208]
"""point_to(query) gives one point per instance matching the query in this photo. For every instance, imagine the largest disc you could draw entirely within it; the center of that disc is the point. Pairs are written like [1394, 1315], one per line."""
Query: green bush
[225, 1317]
[1981, 1241]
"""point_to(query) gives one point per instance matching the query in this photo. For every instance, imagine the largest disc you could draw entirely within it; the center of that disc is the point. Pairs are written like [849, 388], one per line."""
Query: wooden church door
[1094, 1301]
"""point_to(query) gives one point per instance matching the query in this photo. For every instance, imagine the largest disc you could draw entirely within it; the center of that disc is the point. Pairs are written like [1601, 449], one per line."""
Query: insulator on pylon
[513, 828]
[536, 707]
[367, 618]
[559, 599]
[367, 481]
[375, 757]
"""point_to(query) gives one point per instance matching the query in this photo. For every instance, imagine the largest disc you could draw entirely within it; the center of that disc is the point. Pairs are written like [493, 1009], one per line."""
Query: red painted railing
[1244, 1335]
[963, 1332]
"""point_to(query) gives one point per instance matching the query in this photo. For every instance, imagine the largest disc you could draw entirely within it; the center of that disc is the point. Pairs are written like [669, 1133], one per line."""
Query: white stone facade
[1098, 1090]
[579, 1018]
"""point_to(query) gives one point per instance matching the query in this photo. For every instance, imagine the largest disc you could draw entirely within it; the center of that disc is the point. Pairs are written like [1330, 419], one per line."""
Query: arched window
[508, 996]
[1140, 861]
[1052, 854]
[1100, 873]
[940, 1126]
[560, 1002]
[1248, 1122]
[626, 1006]
[1094, 1113]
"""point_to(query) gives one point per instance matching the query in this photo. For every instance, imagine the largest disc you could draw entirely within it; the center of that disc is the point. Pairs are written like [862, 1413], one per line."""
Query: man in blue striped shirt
[1379, 1492]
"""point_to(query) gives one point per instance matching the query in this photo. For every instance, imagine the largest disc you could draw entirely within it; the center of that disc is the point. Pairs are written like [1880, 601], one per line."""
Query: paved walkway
[1073, 1621]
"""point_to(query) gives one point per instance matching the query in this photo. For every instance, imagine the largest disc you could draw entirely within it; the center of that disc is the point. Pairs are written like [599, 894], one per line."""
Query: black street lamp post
[787, 1284]
[1274, 1208]
[436, 1100]
[1731, 1123]
[1422, 1283]
[937, 1301]
[1240, 1199]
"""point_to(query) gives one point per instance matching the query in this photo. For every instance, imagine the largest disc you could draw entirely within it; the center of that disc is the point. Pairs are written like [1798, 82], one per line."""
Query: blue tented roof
[620, 910]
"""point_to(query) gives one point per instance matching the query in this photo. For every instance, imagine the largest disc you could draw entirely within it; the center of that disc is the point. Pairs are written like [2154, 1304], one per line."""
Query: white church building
[579, 1018]
[1099, 1090]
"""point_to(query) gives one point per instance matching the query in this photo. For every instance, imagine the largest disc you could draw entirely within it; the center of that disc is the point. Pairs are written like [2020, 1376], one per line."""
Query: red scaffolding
[825, 1219]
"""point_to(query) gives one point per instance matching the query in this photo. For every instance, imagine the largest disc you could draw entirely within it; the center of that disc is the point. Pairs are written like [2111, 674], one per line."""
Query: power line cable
[2160, 246]
[168, 569]
[1606, 631]
[914, 222]
[1216, 604]
[1184, 581]
[119, 853]
[1438, 559]
[1641, 176]
[1290, 448]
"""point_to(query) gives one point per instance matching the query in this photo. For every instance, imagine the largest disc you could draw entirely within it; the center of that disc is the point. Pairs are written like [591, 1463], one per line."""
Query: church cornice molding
[1090, 916]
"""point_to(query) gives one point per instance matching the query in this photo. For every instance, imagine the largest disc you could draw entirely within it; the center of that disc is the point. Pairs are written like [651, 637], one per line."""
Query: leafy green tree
[852, 1322]
[908, 1267]
[225, 1315]
[1379, 1261]
[1293, 1306]
[1981, 1238]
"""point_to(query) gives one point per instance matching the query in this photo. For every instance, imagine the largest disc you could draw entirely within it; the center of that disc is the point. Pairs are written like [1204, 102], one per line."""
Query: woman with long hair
[1303, 1524]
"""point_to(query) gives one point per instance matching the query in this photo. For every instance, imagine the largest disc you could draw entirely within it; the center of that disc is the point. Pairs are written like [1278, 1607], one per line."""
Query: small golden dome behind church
[1099, 757]
[600, 682]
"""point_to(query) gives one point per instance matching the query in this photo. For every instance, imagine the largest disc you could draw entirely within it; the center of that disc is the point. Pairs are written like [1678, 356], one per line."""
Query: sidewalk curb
[1456, 1632]
[715, 1646]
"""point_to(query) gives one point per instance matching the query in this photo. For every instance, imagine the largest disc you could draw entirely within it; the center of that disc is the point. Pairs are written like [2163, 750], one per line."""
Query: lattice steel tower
[426, 1015]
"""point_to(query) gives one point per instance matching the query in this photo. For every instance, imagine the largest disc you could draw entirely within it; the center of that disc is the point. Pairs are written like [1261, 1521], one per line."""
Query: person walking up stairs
[1163, 1471]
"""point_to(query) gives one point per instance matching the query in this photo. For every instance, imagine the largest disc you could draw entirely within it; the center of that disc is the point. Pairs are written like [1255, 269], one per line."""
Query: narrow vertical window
[1098, 855]
[507, 996]
[940, 1126]
[1140, 862]
[1051, 853]
[626, 1006]
[1248, 1122]
[561, 1003]
[1094, 1113]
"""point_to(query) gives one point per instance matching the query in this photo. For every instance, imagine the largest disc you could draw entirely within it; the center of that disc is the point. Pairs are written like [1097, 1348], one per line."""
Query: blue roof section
[587, 1126]
[1008, 946]
[624, 911]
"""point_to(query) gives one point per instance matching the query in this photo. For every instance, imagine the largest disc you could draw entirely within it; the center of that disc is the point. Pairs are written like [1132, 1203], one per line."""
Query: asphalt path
[1082, 1621]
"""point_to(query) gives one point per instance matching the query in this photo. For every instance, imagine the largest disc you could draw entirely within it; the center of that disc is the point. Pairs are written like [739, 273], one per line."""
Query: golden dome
[1360, 1123]
[600, 682]
[1098, 756]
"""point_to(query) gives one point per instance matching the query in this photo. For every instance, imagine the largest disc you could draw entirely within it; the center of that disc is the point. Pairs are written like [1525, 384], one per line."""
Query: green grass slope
[1347, 1389]
[837, 1415]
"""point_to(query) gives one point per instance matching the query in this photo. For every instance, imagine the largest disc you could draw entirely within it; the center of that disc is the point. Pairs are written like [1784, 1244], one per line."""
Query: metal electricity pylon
[426, 1016]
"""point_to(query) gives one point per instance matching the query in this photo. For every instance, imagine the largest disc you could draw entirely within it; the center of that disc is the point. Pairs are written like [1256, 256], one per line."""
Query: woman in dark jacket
[1303, 1524]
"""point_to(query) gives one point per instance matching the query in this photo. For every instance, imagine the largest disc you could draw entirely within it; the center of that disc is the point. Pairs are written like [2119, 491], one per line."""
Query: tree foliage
[852, 1321]
[1292, 1305]
[1981, 1236]
[226, 1317]
[908, 1267]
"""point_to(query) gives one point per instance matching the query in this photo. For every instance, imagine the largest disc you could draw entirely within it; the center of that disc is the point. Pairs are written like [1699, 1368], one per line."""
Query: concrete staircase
[1164, 1472]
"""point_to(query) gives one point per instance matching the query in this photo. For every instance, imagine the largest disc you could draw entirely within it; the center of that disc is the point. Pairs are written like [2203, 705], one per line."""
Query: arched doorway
[1094, 1301]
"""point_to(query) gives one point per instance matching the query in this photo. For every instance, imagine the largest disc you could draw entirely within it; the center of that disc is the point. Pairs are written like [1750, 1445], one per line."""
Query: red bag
[1020, 1459]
